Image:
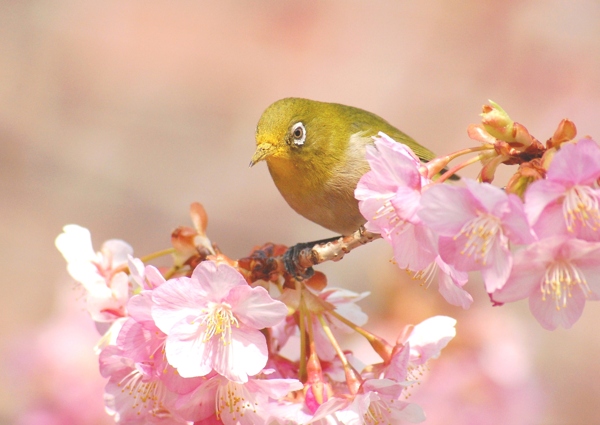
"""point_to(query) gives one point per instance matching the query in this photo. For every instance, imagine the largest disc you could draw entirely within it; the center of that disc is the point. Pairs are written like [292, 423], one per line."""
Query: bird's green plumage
[318, 177]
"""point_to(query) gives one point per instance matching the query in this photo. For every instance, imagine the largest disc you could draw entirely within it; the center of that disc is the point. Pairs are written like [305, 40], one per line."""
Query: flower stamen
[218, 319]
[559, 280]
[425, 275]
[581, 205]
[398, 225]
[481, 233]
[147, 396]
[235, 400]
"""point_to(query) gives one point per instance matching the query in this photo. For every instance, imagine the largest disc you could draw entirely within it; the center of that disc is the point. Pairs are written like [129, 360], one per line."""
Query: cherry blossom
[209, 340]
[415, 347]
[135, 394]
[213, 321]
[428, 338]
[389, 198]
[568, 200]
[107, 288]
[451, 282]
[558, 275]
[475, 224]
[234, 403]
[377, 401]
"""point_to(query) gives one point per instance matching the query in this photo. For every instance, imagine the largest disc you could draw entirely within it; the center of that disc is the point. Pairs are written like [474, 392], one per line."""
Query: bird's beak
[262, 152]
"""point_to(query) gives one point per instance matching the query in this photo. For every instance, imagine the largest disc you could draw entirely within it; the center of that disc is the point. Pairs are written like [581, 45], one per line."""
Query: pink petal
[119, 284]
[136, 271]
[515, 223]
[371, 185]
[499, 265]
[414, 247]
[447, 208]
[551, 222]
[577, 163]
[451, 252]
[384, 387]
[75, 244]
[276, 388]
[550, 317]
[409, 412]
[87, 274]
[117, 250]
[211, 420]
[139, 307]
[491, 198]
[523, 281]
[215, 281]
[345, 305]
[429, 337]
[246, 356]
[586, 255]
[175, 382]
[138, 342]
[200, 403]
[112, 362]
[406, 203]
[187, 352]
[255, 307]
[392, 164]
[397, 147]
[452, 292]
[153, 277]
[176, 300]
[330, 407]
[398, 368]
[539, 195]
[370, 210]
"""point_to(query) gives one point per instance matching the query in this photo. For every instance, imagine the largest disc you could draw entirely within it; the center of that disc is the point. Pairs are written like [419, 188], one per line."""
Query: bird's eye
[299, 134]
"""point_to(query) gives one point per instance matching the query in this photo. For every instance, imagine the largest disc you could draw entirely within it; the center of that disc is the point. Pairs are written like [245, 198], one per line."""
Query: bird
[315, 153]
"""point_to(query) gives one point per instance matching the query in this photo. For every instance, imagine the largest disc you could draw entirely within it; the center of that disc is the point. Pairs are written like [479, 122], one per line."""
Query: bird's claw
[291, 261]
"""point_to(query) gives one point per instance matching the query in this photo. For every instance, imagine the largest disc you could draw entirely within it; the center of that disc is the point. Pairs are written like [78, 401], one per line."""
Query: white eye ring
[298, 134]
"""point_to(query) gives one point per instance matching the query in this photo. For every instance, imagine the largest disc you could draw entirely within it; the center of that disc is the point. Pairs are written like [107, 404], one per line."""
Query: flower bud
[316, 390]
[199, 217]
[183, 240]
[497, 122]
[479, 133]
[566, 131]
[527, 173]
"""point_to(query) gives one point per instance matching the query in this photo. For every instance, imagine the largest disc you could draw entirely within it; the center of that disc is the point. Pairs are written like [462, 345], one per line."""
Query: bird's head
[296, 130]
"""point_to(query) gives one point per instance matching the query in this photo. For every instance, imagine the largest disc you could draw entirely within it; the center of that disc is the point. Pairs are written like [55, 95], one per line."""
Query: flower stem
[302, 373]
[352, 376]
[379, 345]
[157, 254]
[457, 168]
[466, 151]
[169, 273]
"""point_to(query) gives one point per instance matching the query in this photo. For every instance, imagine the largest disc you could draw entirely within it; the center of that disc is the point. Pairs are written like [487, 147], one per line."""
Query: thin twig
[335, 250]
[266, 262]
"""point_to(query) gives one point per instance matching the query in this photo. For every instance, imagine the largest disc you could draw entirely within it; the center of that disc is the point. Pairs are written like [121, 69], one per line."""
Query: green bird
[315, 152]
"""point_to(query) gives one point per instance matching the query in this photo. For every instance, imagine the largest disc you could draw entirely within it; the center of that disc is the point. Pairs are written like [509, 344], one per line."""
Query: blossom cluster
[198, 343]
[537, 238]
[205, 341]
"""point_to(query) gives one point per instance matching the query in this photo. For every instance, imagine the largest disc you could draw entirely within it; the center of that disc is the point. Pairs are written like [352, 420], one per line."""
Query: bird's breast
[325, 197]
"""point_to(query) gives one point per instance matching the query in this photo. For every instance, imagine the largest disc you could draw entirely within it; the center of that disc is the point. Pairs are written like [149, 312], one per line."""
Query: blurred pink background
[117, 115]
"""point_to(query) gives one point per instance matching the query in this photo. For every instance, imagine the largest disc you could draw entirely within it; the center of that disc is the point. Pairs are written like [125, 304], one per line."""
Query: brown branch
[266, 262]
[335, 250]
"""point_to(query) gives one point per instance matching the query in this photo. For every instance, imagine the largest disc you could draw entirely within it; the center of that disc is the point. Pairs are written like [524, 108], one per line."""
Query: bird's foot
[292, 258]
[291, 261]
